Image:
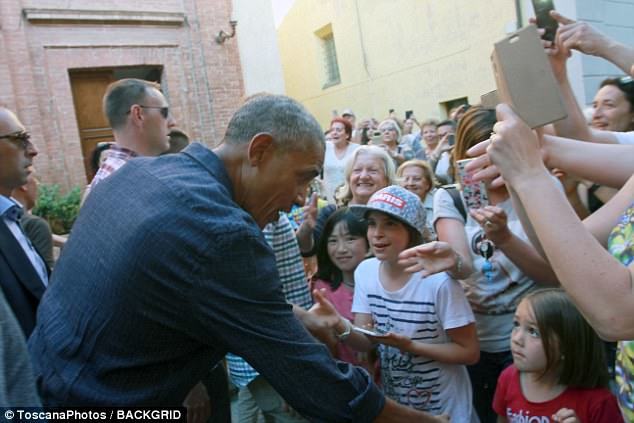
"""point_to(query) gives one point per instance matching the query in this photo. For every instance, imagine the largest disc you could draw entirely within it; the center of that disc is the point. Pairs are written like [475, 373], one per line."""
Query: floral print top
[621, 246]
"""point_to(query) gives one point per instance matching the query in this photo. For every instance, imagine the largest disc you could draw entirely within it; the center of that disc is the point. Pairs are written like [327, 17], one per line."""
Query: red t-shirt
[591, 405]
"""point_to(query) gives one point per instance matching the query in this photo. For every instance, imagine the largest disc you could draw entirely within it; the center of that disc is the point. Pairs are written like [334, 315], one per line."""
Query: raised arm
[598, 284]
[588, 40]
[582, 37]
[305, 231]
[610, 165]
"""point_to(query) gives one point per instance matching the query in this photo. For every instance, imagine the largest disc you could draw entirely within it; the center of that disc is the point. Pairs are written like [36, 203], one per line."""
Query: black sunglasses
[22, 139]
[165, 111]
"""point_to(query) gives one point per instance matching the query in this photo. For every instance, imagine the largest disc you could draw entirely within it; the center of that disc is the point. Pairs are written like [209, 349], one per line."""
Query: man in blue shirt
[167, 270]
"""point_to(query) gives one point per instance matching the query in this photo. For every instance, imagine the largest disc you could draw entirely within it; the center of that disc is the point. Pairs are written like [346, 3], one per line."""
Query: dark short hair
[346, 125]
[121, 95]
[573, 349]
[326, 269]
[288, 122]
[447, 122]
[625, 84]
[96, 153]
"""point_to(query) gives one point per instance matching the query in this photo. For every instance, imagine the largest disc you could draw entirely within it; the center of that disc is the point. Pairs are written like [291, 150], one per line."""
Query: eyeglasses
[165, 111]
[21, 138]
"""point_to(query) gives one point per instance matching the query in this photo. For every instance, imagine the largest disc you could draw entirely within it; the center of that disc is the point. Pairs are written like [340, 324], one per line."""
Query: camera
[376, 137]
[544, 20]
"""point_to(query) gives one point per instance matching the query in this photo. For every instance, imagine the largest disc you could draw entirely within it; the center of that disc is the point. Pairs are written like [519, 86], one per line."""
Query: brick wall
[201, 79]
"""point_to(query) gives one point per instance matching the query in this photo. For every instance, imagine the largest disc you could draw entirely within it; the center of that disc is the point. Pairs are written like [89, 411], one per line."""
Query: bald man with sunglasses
[23, 271]
[22, 285]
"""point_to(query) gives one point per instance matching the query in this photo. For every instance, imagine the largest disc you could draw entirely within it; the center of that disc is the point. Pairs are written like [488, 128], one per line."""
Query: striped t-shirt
[422, 310]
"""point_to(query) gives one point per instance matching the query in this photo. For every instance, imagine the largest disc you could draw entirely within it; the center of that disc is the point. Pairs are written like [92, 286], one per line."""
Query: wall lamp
[223, 36]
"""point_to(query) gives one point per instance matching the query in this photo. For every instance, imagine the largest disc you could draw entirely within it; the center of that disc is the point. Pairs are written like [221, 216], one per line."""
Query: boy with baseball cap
[423, 325]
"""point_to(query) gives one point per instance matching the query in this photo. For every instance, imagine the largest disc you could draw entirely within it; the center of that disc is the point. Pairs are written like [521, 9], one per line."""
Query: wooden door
[88, 89]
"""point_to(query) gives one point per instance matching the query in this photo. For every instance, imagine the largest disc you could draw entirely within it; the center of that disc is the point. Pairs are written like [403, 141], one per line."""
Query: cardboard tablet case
[490, 100]
[525, 79]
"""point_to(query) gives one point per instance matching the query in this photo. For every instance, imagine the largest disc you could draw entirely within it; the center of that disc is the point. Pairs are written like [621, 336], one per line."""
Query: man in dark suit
[23, 272]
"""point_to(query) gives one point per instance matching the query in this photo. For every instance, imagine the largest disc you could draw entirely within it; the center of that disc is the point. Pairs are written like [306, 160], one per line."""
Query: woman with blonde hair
[368, 170]
[392, 142]
[416, 176]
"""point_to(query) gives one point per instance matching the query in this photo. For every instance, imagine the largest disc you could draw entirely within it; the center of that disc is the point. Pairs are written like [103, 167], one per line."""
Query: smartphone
[451, 139]
[376, 137]
[370, 332]
[544, 20]
[408, 114]
[474, 193]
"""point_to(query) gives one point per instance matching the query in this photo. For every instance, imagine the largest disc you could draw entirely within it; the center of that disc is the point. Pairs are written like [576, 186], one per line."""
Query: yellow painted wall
[400, 54]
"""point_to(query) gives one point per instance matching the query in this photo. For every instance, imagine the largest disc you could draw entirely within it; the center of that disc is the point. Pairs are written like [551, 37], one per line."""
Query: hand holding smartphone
[474, 193]
[377, 333]
[544, 20]
[376, 137]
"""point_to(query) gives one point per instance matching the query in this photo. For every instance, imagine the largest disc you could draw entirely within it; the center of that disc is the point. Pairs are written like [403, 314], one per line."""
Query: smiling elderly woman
[369, 169]
[416, 176]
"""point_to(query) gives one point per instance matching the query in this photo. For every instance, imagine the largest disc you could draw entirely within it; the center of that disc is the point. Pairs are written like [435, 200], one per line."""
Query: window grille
[331, 67]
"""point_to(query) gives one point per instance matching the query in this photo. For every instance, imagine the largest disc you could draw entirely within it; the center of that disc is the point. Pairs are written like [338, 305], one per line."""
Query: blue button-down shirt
[288, 259]
[164, 275]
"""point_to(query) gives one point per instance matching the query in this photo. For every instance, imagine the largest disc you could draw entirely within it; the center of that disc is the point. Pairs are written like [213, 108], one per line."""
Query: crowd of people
[334, 275]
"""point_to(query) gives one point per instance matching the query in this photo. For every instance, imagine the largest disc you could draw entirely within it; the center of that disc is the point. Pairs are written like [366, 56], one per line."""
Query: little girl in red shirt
[558, 371]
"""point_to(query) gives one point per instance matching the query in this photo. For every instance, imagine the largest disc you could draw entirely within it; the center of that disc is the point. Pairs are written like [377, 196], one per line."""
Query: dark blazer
[39, 232]
[20, 282]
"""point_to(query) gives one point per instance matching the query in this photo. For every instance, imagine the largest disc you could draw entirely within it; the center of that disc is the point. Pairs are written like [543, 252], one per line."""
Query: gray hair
[391, 123]
[345, 193]
[289, 123]
[121, 95]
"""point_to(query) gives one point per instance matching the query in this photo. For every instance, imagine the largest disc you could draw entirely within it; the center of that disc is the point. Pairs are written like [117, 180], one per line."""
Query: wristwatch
[346, 333]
